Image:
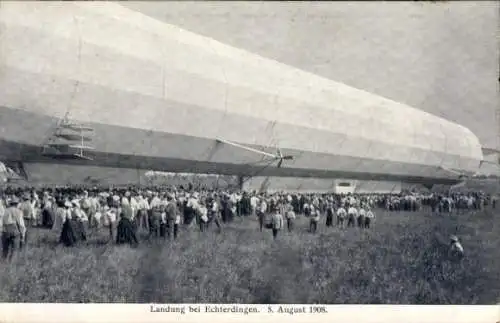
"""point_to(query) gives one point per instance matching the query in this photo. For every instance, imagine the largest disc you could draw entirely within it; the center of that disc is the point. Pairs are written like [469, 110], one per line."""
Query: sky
[441, 57]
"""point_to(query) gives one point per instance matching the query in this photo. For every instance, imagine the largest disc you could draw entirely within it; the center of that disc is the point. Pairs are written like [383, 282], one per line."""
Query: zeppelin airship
[98, 84]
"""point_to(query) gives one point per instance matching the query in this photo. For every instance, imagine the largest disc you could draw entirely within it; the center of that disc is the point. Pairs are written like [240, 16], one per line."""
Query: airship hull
[159, 97]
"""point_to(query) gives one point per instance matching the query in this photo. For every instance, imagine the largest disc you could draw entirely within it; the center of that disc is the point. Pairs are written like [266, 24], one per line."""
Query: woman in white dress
[60, 215]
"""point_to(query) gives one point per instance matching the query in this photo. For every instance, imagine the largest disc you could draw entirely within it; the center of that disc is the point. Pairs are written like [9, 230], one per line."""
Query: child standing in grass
[456, 249]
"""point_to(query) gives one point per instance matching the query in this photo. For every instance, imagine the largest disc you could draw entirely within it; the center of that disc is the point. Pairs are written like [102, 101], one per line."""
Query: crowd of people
[75, 212]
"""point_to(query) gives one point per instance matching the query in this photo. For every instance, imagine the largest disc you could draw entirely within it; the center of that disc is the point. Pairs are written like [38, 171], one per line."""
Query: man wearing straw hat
[352, 214]
[155, 216]
[173, 216]
[276, 221]
[142, 213]
[202, 215]
[314, 218]
[361, 216]
[262, 213]
[12, 228]
[214, 214]
[26, 208]
[341, 216]
[290, 217]
[110, 220]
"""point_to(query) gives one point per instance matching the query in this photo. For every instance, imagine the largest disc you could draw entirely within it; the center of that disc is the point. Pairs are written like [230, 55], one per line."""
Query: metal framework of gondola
[70, 140]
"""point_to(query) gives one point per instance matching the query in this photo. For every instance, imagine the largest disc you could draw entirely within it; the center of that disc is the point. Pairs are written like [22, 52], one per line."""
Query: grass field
[401, 260]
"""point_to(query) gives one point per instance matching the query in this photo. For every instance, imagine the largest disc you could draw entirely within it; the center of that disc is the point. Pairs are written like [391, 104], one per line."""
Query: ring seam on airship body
[226, 83]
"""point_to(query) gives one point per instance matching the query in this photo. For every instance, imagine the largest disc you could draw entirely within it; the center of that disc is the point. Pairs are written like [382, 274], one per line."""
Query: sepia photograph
[213, 152]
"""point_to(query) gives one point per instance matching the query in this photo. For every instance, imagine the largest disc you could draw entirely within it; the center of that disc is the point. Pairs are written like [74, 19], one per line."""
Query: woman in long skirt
[60, 215]
[329, 216]
[109, 221]
[125, 232]
[73, 230]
